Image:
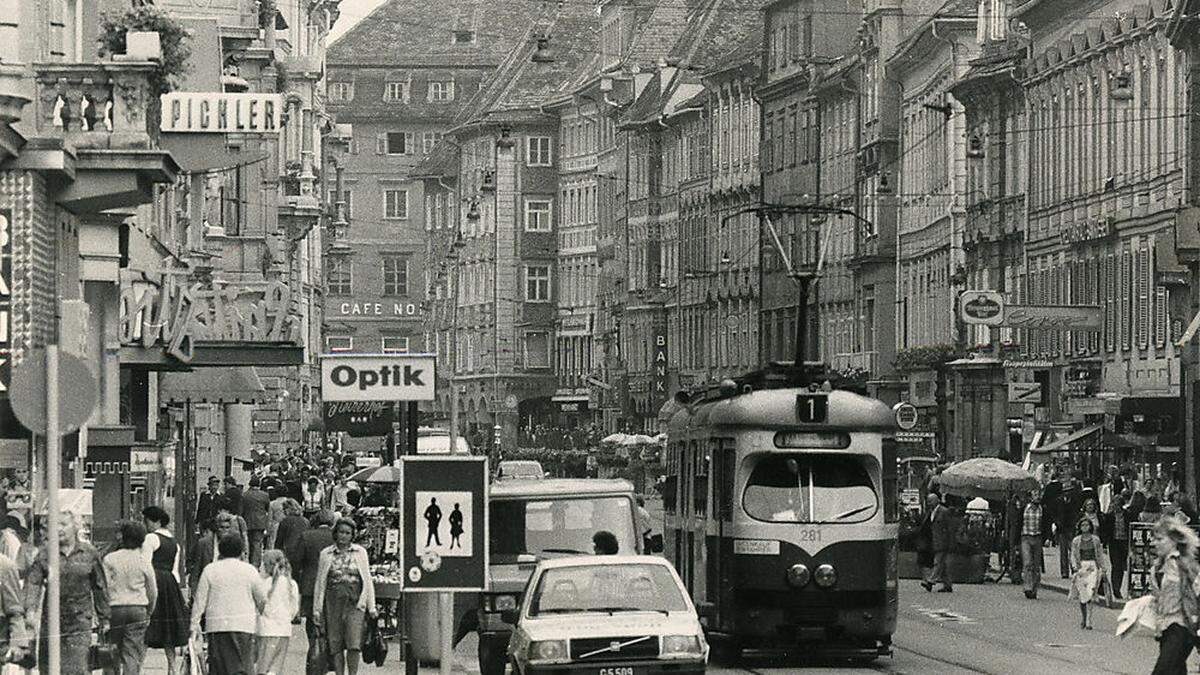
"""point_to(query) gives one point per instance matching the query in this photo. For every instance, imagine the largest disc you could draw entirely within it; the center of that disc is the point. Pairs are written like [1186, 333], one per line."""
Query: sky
[351, 12]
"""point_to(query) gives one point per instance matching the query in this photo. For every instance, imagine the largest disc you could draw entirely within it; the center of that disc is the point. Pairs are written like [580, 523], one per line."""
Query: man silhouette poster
[446, 528]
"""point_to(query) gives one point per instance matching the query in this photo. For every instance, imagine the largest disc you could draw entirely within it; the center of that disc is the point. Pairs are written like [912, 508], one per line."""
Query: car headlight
[501, 603]
[825, 576]
[682, 645]
[548, 650]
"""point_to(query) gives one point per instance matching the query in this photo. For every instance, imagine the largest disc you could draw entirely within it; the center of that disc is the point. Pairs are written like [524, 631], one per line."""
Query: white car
[607, 615]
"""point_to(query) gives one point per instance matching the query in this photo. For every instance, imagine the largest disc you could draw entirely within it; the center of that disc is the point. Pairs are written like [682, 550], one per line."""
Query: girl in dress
[275, 621]
[1087, 564]
[168, 629]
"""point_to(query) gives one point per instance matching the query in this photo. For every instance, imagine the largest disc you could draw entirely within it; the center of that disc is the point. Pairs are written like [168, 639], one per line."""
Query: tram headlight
[825, 576]
[798, 575]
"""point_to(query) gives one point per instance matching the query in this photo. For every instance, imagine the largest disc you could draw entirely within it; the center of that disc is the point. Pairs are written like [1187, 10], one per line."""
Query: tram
[781, 515]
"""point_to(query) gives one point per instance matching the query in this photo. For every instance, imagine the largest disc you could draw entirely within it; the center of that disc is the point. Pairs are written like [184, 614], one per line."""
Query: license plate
[617, 670]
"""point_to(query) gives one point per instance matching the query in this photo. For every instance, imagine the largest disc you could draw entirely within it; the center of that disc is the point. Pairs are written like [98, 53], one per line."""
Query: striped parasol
[377, 474]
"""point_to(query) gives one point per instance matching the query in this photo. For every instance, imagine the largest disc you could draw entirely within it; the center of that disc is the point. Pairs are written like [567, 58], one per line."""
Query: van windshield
[557, 525]
[810, 488]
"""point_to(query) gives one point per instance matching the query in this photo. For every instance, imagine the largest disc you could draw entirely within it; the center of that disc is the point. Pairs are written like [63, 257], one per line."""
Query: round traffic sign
[76, 392]
[906, 415]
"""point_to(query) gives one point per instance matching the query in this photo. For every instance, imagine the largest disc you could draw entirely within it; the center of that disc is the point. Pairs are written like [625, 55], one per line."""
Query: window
[395, 345]
[537, 151]
[537, 350]
[395, 204]
[537, 283]
[464, 37]
[341, 91]
[810, 488]
[395, 275]
[396, 91]
[441, 90]
[394, 143]
[338, 276]
[428, 140]
[339, 343]
[537, 215]
[347, 197]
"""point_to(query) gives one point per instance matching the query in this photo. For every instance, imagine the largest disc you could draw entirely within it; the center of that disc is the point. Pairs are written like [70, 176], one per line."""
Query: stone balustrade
[105, 105]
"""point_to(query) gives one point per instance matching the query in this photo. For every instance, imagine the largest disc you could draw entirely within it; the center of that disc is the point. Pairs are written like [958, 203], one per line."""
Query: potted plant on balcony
[174, 40]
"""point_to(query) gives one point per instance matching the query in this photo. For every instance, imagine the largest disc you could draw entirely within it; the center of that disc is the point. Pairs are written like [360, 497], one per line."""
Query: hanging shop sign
[220, 113]
[984, 308]
[359, 418]
[377, 377]
[177, 316]
[1053, 317]
[5, 302]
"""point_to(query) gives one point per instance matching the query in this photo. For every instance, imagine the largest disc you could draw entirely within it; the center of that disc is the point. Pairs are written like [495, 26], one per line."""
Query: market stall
[379, 533]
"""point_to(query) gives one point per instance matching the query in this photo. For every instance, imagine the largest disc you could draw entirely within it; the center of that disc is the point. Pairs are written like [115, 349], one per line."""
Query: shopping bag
[102, 653]
[320, 659]
[197, 657]
[374, 647]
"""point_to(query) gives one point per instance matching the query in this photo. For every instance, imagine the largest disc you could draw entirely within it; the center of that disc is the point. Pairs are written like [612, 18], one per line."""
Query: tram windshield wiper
[855, 512]
[564, 550]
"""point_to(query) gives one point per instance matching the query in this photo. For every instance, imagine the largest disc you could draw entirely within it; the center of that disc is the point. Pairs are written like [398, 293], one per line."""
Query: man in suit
[304, 556]
[231, 499]
[256, 504]
[204, 551]
[208, 504]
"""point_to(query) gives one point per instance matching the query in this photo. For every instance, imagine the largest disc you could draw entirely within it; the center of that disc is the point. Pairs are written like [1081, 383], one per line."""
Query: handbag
[374, 647]
[320, 659]
[197, 656]
[102, 654]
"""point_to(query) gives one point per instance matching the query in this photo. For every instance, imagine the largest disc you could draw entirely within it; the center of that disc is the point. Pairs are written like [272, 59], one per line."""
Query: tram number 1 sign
[812, 408]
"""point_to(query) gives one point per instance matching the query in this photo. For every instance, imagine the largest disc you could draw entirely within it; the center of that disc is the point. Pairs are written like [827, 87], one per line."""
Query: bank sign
[377, 377]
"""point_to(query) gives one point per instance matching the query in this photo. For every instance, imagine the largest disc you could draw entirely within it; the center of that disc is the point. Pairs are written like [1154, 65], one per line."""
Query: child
[275, 621]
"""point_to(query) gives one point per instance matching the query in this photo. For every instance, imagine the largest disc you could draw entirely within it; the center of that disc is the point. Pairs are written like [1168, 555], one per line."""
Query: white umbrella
[617, 438]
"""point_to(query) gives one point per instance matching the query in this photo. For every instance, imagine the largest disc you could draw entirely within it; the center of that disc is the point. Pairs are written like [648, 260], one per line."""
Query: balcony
[97, 125]
[861, 361]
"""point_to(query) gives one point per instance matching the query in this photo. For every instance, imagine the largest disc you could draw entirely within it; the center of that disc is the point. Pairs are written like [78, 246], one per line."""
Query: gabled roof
[519, 88]
[441, 162]
[747, 51]
[723, 30]
[421, 32]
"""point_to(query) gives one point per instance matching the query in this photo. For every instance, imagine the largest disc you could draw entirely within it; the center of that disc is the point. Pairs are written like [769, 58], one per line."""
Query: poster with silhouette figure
[444, 536]
[445, 526]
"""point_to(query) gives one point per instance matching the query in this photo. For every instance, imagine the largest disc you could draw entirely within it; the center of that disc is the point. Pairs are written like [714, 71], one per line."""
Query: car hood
[619, 624]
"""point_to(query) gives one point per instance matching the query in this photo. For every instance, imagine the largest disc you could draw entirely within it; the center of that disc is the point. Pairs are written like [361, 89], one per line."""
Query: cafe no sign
[177, 316]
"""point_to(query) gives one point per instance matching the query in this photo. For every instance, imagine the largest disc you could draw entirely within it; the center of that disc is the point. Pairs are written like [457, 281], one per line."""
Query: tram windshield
[811, 488]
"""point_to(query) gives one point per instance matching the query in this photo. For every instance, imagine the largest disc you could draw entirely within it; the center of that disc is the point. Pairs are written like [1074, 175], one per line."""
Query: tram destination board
[812, 408]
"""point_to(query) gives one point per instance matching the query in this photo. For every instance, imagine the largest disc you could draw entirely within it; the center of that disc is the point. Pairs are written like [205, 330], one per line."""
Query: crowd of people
[1088, 520]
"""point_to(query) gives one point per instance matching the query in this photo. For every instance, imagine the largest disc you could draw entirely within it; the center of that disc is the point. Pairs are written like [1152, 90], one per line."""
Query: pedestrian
[208, 504]
[1070, 508]
[343, 593]
[925, 558]
[282, 605]
[132, 594]
[314, 496]
[255, 505]
[645, 524]
[206, 550]
[942, 522]
[1031, 545]
[83, 598]
[1175, 601]
[10, 541]
[291, 527]
[14, 633]
[228, 599]
[1087, 567]
[1118, 545]
[232, 497]
[305, 558]
[168, 629]
[1013, 524]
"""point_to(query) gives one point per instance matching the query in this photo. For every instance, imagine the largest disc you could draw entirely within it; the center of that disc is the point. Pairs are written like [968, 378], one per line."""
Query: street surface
[977, 629]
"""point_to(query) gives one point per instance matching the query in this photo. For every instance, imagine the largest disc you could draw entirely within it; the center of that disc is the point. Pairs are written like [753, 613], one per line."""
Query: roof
[442, 162]
[747, 51]
[547, 487]
[419, 32]
[958, 10]
[728, 33]
[519, 87]
[589, 560]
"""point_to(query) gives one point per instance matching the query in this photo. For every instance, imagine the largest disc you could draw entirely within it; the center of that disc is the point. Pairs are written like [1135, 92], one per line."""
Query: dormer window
[464, 37]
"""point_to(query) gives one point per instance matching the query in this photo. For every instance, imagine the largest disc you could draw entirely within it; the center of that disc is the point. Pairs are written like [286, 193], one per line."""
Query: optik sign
[377, 377]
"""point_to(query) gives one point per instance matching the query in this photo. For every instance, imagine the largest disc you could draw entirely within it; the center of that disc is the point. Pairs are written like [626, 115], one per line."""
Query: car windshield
[629, 587]
[810, 488]
[558, 525]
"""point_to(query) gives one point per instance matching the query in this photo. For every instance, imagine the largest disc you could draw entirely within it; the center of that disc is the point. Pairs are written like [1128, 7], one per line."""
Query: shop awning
[238, 384]
[1083, 437]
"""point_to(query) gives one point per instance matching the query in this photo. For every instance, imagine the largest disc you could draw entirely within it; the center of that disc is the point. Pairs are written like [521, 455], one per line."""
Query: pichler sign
[219, 113]
[377, 377]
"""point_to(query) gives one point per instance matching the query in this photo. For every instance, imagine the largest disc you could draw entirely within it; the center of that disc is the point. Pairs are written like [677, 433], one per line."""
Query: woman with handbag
[282, 605]
[344, 593]
[1175, 601]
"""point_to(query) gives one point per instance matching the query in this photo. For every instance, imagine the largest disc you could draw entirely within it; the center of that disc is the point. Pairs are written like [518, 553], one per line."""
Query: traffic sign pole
[52, 516]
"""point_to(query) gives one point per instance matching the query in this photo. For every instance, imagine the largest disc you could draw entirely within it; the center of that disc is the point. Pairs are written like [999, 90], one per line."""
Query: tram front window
[810, 488]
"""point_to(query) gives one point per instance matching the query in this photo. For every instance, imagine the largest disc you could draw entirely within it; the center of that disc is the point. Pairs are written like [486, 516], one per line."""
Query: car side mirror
[509, 616]
[706, 610]
[654, 544]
